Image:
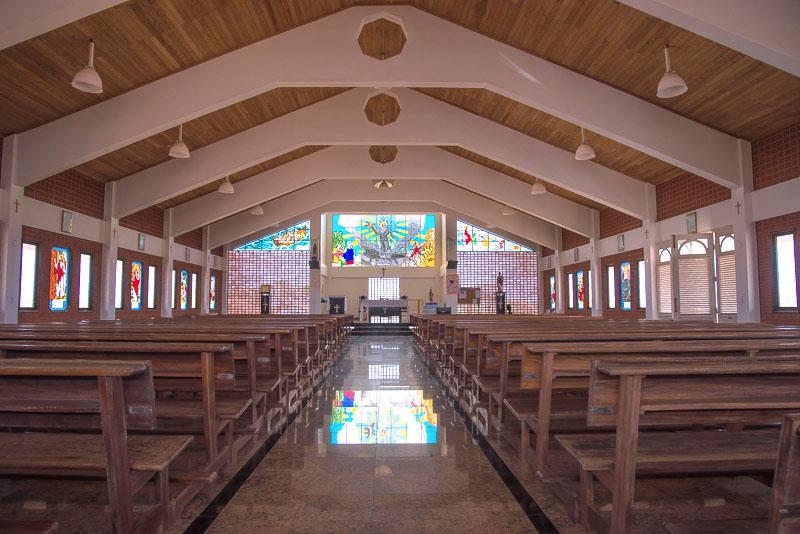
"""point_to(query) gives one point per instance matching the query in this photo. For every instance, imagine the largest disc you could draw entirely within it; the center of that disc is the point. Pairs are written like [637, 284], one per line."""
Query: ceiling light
[257, 210]
[584, 151]
[179, 149]
[671, 84]
[87, 79]
[508, 211]
[383, 184]
[226, 187]
[538, 188]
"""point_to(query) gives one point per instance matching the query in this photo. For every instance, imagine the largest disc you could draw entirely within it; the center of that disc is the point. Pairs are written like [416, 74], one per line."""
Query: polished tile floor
[379, 449]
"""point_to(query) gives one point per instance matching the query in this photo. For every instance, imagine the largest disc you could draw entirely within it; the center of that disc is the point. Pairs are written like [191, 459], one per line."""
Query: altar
[382, 308]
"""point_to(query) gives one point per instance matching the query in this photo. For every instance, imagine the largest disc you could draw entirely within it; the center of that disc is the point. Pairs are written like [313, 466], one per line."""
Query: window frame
[155, 286]
[37, 266]
[641, 284]
[81, 254]
[775, 287]
[118, 288]
[630, 282]
[193, 300]
[571, 291]
[611, 287]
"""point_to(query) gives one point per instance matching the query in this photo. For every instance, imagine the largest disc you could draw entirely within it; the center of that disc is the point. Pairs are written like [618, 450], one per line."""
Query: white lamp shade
[179, 150]
[226, 187]
[538, 188]
[88, 81]
[584, 152]
[257, 210]
[671, 85]
[508, 211]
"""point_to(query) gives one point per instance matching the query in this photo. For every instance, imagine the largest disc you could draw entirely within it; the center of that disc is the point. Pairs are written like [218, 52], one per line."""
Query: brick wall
[574, 268]
[191, 268]
[571, 239]
[71, 190]
[687, 193]
[147, 221]
[613, 222]
[776, 157]
[765, 230]
[127, 256]
[546, 252]
[545, 291]
[218, 251]
[633, 256]
[45, 241]
[192, 239]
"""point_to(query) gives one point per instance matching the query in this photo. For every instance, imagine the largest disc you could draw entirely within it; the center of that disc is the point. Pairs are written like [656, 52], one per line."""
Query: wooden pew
[83, 396]
[665, 392]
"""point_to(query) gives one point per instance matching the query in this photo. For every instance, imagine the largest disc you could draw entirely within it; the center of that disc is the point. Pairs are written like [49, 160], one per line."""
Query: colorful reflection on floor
[381, 417]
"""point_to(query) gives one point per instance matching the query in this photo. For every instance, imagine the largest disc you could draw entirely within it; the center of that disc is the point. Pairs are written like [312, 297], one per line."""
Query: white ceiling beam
[325, 53]
[341, 121]
[415, 163]
[766, 30]
[21, 20]
[323, 193]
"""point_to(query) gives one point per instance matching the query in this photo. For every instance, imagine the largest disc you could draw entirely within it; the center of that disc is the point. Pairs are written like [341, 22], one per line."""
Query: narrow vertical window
[59, 279]
[625, 297]
[172, 291]
[785, 272]
[118, 276]
[570, 291]
[612, 288]
[642, 282]
[552, 292]
[580, 290]
[184, 292]
[136, 285]
[85, 283]
[151, 287]
[212, 293]
[27, 278]
[194, 291]
[590, 288]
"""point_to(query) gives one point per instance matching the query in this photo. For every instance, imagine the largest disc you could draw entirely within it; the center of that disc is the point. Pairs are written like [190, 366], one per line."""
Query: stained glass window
[59, 279]
[552, 292]
[297, 237]
[212, 293]
[475, 239]
[385, 240]
[136, 285]
[580, 290]
[184, 290]
[27, 276]
[625, 296]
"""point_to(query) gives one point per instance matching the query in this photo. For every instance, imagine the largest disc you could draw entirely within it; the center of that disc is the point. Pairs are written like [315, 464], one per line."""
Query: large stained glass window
[625, 293]
[59, 279]
[552, 292]
[385, 240]
[136, 285]
[474, 239]
[279, 259]
[184, 291]
[395, 416]
[478, 267]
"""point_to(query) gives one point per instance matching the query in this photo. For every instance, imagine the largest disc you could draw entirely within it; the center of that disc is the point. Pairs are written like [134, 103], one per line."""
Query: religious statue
[314, 255]
[499, 282]
[430, 295]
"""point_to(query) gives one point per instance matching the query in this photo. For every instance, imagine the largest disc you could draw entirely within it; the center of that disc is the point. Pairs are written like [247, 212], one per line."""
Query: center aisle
[391, 456]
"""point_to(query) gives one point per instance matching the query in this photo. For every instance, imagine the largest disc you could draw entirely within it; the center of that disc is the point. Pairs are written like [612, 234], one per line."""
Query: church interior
[400, 266]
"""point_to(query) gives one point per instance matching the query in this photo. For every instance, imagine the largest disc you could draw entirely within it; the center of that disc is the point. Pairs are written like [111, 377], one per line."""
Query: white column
[223, 299]
[651, 237]
[315, 275]
[108, 275]
[11, 204]
[594, 265]
[205, 278]
[560, 286]
[748, 305]
[449, 239]
[168, 255]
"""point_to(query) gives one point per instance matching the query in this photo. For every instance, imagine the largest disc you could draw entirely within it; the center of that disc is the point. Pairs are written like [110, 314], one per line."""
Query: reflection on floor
[380, 449]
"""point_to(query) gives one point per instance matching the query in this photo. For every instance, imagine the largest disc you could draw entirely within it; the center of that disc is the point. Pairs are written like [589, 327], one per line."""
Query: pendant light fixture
[87, 79]
[584, 151]
[226, 187]
[538, 188]
[383, 184]
[671, 84]
[257, 210]
[508, 211]
[179, 149]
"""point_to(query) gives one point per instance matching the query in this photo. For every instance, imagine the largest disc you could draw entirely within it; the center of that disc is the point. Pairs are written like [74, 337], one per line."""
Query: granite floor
[379, 449]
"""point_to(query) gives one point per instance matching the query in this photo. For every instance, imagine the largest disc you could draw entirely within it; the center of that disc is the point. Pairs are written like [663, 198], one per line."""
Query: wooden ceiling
[519, 175]
[242, 175]
[205, 130]
[556, 132]
[143, 40]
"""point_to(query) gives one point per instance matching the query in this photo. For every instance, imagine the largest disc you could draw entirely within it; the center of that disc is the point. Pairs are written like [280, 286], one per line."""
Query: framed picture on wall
[66, 221]
[691, 223]
[140, 243]
[620, 242]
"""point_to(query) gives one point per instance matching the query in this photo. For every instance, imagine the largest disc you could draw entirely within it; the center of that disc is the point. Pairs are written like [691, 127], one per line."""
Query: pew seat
[28, 527]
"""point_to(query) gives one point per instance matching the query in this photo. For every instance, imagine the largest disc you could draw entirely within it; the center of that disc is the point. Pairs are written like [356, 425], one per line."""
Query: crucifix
[16, 205]
[737, 206]
[336, 308]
